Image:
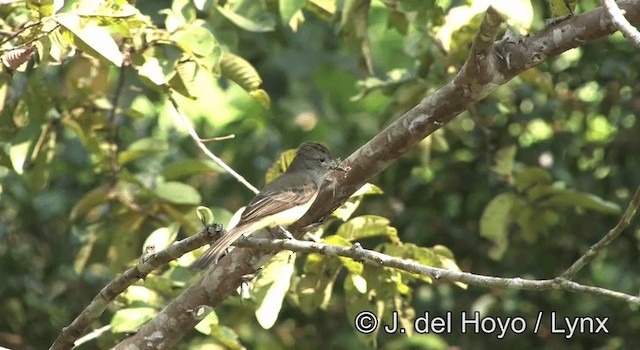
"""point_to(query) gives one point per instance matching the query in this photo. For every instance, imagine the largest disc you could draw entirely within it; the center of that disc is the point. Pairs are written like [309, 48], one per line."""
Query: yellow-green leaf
[130, 320]
[178, 193]
[495, 222]
[271, 286]
[92, 198]
[94, 37]
[162, 237]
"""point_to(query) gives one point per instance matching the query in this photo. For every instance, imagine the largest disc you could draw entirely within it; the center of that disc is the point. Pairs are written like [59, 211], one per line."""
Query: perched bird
[281, 202]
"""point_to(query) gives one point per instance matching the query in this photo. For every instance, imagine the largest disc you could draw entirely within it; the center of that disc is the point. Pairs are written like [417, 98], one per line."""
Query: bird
[281, 202]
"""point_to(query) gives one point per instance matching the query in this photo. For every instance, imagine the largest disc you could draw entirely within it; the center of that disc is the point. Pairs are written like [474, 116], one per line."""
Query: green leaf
[178, 193]
[561, 8]
[91, 199]
[19, 153]
[505, 158]
[531, 176]
[356, 302]
[271, 286]
[195, 40]
[205, 215]
[94, 37]
[354, 267]
[142, 148]
[262, 97]
[289, 7]
[345, 211]
[239, 71]
[355, 24]
[44, 8]
[158, 71]
[208, 324]
[263, 22]
[359, 282]
[130, 320]
[185, 81]
[162, 237]
[495, 221]
[280, 165]
[367, 226]
[314, 287]
[518, 13]
[182, 168]
[139, 296]
[564, 198]
[324, 9]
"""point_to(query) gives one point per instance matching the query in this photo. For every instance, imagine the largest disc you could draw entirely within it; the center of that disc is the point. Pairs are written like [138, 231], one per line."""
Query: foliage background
[81, 189]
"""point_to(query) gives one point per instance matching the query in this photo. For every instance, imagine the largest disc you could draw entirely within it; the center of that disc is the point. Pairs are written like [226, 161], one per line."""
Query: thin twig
[357, 253]
[219, 138]
[20, 31]
[198, 140]
[93, 335]
[617, 17]
[608, 238]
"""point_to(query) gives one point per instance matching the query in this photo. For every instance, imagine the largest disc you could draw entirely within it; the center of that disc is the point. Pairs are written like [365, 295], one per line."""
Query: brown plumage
[281, 202]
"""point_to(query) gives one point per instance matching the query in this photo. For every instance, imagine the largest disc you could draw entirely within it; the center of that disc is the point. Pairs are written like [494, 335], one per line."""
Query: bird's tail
[217, 249]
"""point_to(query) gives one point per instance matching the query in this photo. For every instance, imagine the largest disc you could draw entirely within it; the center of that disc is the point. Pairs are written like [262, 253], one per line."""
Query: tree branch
[100, 302]
[357, 253]
[608, 238]
[489, 66]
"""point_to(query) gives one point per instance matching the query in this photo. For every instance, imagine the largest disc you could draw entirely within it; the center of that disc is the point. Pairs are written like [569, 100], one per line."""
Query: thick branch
[97, 306]
[479, 77]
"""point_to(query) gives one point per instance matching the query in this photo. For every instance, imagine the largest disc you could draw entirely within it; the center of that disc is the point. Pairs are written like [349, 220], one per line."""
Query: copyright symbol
[366, 322]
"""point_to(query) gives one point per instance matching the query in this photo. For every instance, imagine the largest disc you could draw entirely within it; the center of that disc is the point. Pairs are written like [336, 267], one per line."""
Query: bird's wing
[277, 197]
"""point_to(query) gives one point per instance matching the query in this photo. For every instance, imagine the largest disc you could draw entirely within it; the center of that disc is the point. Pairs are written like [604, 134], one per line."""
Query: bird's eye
[323, 160]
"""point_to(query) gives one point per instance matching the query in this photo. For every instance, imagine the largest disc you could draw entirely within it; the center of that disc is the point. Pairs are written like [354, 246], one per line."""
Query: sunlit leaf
[185, 81]
[195, 40]
[94, 37]
[354, 267]
[271, 286]
[162, 237]
[280, 165]
[208, 324]
[261, 97]
[367, 226]
[130, 320]
[140, 296]
[44, 8]
[347, 208]
[239, 71]
[205, 215]
[289, 7]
